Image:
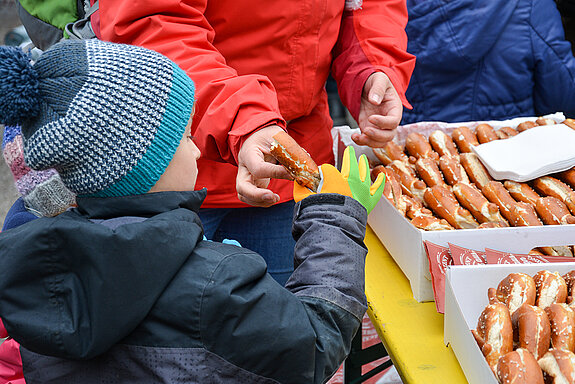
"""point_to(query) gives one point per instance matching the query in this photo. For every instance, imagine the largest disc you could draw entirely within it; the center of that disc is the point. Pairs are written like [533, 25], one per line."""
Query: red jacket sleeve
[372, 38]
[229, 106]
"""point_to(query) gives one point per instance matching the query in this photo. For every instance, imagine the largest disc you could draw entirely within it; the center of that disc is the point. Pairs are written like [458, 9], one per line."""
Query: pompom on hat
[108, 117]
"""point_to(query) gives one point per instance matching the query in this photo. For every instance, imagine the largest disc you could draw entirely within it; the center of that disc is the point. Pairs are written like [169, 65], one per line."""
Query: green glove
[357, 176]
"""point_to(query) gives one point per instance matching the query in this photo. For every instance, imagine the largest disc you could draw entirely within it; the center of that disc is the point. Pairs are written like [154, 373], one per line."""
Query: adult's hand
[256, 166]
[380, 112]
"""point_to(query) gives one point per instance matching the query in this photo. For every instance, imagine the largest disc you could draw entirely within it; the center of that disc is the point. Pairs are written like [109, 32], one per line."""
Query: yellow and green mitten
[352, 181]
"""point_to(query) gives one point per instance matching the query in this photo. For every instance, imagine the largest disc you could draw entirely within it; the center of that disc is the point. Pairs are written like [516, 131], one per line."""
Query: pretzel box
[466, 297]
[405, 242]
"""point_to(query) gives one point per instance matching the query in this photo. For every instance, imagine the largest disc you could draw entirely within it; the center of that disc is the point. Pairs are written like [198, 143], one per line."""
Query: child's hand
[353, 181]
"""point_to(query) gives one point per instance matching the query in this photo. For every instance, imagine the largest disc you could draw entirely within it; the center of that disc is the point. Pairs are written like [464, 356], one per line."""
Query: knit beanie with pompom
[108, 117]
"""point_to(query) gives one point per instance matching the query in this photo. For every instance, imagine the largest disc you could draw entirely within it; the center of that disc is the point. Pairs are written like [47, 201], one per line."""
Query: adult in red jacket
[260, 67]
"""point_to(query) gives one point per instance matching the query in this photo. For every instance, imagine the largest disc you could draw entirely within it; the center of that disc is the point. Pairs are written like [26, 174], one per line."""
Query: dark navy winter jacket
[125, 290]
[488, 60]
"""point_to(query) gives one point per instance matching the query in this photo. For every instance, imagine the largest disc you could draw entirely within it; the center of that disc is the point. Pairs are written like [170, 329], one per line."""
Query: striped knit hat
[108, 117]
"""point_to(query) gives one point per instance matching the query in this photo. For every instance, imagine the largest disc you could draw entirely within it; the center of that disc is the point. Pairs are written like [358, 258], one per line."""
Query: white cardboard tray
[465, 298]
[405, 242]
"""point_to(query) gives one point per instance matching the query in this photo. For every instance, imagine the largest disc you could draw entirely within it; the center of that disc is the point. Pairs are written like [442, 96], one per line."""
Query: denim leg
[211, 219]
[266, 231]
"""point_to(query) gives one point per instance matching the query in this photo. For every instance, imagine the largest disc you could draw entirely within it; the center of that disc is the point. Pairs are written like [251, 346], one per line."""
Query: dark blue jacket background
[488, 59]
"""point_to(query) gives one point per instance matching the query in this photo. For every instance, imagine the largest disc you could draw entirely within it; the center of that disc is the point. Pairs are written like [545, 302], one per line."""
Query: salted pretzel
[521, 127]
[558, 366]
[494, 333]
[551, 186]
[392, 188]
[444, 203]
[523, 215]
[417, 145]
[519, 367]
[428, 171]
[505, 132]
[568, 177]
[495, 192]
[545, 121]
[390, 151]
[494, 224]
[473, 200]
[515, 290]
[411, 185]
[485, 133]
[414, 207]
[551, 288]
[562, 321]
[521, 192]
[476, 171]
[464, 138]
[431, 223]
[531, 329]
[443, 144]
[569, 278]
[553, 211]
[569, 122]
[452, 170]
[295, 160]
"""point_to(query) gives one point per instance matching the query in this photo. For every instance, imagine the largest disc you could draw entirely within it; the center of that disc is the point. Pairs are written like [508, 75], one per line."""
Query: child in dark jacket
[123, 288]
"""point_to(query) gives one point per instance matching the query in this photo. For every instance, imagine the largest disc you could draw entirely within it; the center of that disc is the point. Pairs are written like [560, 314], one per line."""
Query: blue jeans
[266, 231]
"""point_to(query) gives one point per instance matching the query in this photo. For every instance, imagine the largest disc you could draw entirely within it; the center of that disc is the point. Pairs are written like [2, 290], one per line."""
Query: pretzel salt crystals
[551, 288]
[452, 170]
[525, 126]
[295, 160]
[443, 202]
[411, 185]
[485, 133]
[418, 146]
[464, 138]
[562, 321]
[550, 186]
[428, 171]
[568, 177]
[494, 333]
[545, 121]
[495, 192]
[475, 169]
[519, 367]
[473, 200]
[390, 151]
[558, 365]
[515, 290]
[505, 132]
[414, 208]
[553, 211]
[531, 329]
[443, 144]
[521, 192]
[431, 223]
[523, 215]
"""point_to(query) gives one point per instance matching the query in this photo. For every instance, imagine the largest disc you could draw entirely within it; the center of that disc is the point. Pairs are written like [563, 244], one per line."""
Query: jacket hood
[455, 33]
[74, 285]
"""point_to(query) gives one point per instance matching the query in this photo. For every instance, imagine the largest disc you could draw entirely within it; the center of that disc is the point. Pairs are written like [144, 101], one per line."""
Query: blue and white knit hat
[108, 117]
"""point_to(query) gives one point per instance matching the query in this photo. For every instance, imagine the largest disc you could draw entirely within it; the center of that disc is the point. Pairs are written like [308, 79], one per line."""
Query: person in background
[567, 10]
[488, 60]
[42, 192]
[123, 287]
[261, 67]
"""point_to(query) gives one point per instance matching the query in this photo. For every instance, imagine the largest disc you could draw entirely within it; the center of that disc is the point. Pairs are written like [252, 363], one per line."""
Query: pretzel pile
[527, 331]
[438, 183]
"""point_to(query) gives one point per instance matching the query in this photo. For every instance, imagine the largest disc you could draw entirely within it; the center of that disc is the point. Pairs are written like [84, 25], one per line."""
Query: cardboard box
[465, 298]
[405, 242]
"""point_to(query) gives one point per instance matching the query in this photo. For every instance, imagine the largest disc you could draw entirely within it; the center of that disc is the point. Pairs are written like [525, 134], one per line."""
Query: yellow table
[411, 332]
